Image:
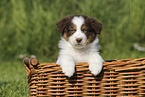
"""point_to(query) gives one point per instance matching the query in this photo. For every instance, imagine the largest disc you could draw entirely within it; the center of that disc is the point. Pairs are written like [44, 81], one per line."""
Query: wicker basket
[119, 78]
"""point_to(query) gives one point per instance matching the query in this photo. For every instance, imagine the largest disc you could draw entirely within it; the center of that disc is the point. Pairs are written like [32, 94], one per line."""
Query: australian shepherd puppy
[79, 43]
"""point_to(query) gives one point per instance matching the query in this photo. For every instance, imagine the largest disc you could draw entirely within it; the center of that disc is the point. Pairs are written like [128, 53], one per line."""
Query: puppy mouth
[79, 45]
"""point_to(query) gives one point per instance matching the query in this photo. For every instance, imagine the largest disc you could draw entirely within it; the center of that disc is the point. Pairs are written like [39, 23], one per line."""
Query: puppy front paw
[95, 68]
[67, 64]
[68, 71]
[68, 68]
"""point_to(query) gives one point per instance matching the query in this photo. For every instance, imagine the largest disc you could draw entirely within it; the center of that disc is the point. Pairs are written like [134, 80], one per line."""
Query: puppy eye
[72, 30]
[85, 30]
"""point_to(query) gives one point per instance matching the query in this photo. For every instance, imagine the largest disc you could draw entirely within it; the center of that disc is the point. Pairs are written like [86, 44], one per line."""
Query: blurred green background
[29, 27]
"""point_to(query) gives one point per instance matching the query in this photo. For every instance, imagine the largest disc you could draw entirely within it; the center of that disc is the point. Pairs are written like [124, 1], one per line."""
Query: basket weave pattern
[118, 78]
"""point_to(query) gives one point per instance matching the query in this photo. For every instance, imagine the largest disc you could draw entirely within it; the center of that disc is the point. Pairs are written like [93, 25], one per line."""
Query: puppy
[79, 43]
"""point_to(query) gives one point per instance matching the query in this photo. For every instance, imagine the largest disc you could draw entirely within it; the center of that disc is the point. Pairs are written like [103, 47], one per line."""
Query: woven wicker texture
[119, 78]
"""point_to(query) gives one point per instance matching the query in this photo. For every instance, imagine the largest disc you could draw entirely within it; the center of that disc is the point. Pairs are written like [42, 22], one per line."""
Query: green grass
[13, 80]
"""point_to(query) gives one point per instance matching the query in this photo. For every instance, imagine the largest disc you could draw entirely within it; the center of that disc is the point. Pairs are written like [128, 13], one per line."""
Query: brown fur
[93, 28]
[63, 24]
[64, 27]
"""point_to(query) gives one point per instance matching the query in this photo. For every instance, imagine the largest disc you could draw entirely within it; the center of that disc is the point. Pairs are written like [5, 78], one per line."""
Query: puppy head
[79, 30]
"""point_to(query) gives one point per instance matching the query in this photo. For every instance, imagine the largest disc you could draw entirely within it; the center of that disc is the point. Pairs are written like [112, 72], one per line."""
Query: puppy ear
[63, 24]
[95, 25]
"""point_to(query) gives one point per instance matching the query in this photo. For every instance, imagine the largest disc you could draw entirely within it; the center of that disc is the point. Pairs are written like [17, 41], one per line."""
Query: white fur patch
[78, 22]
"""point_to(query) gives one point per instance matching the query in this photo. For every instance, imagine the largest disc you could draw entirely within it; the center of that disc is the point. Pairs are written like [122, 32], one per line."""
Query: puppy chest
[80, 57]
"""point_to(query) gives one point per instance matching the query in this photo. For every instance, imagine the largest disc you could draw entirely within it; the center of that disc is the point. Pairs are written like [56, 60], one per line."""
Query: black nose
[79, 40]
